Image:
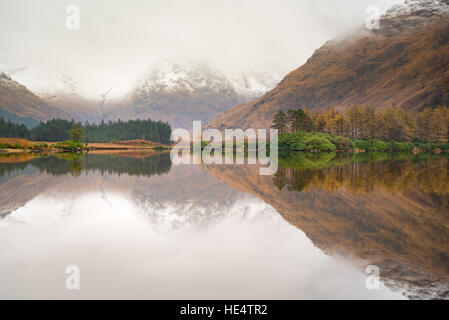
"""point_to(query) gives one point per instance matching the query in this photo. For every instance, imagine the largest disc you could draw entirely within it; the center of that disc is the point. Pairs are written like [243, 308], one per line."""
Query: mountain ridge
[402, 64]
[180, 91]
[174, 90]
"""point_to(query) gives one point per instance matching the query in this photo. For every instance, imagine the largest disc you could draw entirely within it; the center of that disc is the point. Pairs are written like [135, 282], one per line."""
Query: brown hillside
[407, 68]
[17, 99]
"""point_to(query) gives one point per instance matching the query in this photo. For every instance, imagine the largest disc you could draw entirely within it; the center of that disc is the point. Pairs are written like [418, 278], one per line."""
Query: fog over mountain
[404, 63]
[118, 41]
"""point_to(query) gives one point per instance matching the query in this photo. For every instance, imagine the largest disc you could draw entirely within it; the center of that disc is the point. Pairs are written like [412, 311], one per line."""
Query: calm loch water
[137, 226]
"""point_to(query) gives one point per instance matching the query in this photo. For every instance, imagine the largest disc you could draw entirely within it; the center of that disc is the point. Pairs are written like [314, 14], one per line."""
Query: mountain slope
[405, 64]
[58, 90]
[18, 100]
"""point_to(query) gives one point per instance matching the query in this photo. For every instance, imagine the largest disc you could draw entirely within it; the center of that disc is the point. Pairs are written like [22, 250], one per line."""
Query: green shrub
[378, 146]
[319, 143]
[361, 145]
[402, 146]
[291, 141]
[341, 143]
[427, 146]
[70, 145]
[444, 147]
[5, 146]
[305, 141]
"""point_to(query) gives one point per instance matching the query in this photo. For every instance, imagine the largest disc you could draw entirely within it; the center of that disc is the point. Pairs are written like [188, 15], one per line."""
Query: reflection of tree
[75, 167]
[299, 179]
[280, 179]
[363, 174]
[75, 164]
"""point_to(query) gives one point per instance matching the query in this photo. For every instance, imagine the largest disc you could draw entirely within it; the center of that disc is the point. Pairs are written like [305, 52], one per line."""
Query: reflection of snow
[189, 214]
[250, 252]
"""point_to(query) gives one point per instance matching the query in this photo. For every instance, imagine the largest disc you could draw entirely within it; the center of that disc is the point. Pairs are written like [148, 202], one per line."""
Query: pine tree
[280, 122]
[76, 133]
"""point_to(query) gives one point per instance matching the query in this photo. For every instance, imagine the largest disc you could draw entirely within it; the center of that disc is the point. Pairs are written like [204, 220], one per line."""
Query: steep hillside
[404, 64]
[18, 100]
[58, 90]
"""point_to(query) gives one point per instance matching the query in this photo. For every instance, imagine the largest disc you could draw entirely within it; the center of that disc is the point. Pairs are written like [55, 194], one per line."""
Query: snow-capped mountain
[413, 13]
[180, 91]
[169, 77]
[254, 83]
[42, 81]
[174, 75]
[59, 90]
[174, 90]
[418, 8]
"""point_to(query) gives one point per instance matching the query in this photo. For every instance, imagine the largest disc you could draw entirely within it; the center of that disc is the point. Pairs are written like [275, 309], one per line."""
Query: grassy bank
[322, 142]
[18, 145]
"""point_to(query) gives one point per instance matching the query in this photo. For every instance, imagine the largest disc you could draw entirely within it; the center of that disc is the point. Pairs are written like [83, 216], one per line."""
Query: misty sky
[118, 40]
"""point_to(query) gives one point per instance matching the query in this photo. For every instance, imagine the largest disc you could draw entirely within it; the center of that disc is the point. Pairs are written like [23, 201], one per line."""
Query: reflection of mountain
[169, 204]
[146, 165]
[148, 179]
[391, 214]
[150, 183]
[21, 181]
[160, 237]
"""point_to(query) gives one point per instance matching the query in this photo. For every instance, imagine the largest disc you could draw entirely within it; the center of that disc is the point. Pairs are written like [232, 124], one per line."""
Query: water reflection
[163, 231]
[388, 209]
[365, 172]
[139, 164]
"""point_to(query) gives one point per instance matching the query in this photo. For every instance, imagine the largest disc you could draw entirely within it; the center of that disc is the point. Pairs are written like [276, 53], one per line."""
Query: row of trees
[156, 131]
[9, 129]
[392, 124]
[61, 130]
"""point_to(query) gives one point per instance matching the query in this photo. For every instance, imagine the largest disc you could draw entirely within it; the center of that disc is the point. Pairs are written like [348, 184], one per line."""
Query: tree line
[61, 130]
[393, 124]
